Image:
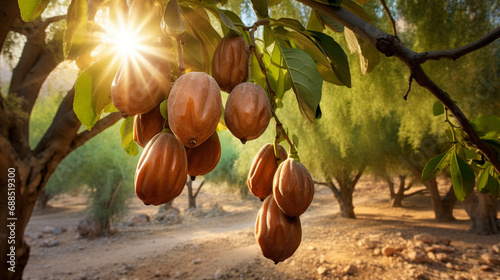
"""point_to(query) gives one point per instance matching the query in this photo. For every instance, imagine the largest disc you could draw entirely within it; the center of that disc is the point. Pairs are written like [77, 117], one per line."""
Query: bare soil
[217, 242]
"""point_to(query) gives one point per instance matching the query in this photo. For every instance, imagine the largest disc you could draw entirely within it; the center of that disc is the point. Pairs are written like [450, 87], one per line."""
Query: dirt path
[214, 244]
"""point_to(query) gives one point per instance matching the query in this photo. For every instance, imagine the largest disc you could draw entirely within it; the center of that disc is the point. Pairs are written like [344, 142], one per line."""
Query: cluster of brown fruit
[189, 145]
[287, 189]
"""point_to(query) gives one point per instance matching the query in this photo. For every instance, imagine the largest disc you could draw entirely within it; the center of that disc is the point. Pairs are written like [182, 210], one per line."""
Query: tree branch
[32, 28]
[455, 54]
[198, 190]
[82, 137]
[415, 193]
[389, 15]
[391, 46]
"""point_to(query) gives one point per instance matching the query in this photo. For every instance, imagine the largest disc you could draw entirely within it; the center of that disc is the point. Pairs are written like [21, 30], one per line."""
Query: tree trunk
[191, 197]
[43, 200]
[442, 213]
[481, 209]
[343, 194]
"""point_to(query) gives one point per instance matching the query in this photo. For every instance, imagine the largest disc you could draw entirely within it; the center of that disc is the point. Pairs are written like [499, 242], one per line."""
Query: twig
[181, 69]
[410, 80]
[386, 43]
[389, 15]
[455, 54]
[30, 28]
[279, 126]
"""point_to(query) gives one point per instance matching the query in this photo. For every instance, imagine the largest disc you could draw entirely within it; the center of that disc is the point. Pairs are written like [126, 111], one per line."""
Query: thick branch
[459, 52]
[101, 125]
[391, 46]
[33, 28]
[389, 15]
[415, 193]
[9, 11]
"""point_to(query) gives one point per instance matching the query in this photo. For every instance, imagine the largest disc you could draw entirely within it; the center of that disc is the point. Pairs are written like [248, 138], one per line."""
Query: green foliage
[32, 9]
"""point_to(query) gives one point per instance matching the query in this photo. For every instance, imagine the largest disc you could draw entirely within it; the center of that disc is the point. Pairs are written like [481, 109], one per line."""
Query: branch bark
[455, 54]
[391, 46]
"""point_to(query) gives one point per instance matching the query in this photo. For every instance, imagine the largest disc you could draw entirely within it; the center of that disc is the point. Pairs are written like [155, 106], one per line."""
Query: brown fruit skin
[230, 62]
[278, 236]
[146, 126]
[194, 108]
[139, 87]
[264, 165]
[293, 188]
[162, 170]
[248, 111]
[205, 157]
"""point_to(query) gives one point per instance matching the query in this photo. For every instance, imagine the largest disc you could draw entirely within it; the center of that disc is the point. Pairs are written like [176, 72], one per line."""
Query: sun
[126, 43]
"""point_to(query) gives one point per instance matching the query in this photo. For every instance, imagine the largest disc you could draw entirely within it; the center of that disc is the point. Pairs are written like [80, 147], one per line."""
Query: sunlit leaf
[315, 23]
[172, 22]
[369, 56]
[77, 29]
[331, 23]
[32, 9]
[93, 91]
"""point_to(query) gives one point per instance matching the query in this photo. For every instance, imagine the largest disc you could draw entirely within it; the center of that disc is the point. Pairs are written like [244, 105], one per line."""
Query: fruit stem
[253, 49]
[181, 68]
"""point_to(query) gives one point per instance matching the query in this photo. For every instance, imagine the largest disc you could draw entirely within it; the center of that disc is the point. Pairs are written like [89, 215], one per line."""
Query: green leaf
[306, 80]
[361, 2]
[77, 29]
[435, 166]
[290, 23]
[172, 22]
[356, 9]
[132, 149]
[93, 91]
[227, 21]
[462, 177]
[482, 180]
[82, 103]
[127, 131]
[295, 141]
[486, 123]
[274, 2]
[192, 53]
[437, 108]
[338, 58]
[369, 56]
[315, 23]
[331, 23]
[164, 109]
[201, 28]
[335, 3]
[32, 9]
[261, 8]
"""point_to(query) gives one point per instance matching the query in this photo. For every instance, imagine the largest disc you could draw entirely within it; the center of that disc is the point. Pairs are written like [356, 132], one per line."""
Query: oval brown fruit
[205, 157]
[162, 170]
[248, 111]
[293, 188]
[264, 165]
[194, 108]
[230, 62]
[278, 236]
[146, 126]
[140, 85]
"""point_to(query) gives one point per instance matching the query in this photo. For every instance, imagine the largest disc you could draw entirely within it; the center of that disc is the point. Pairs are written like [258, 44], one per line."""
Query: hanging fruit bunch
[177, 125]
